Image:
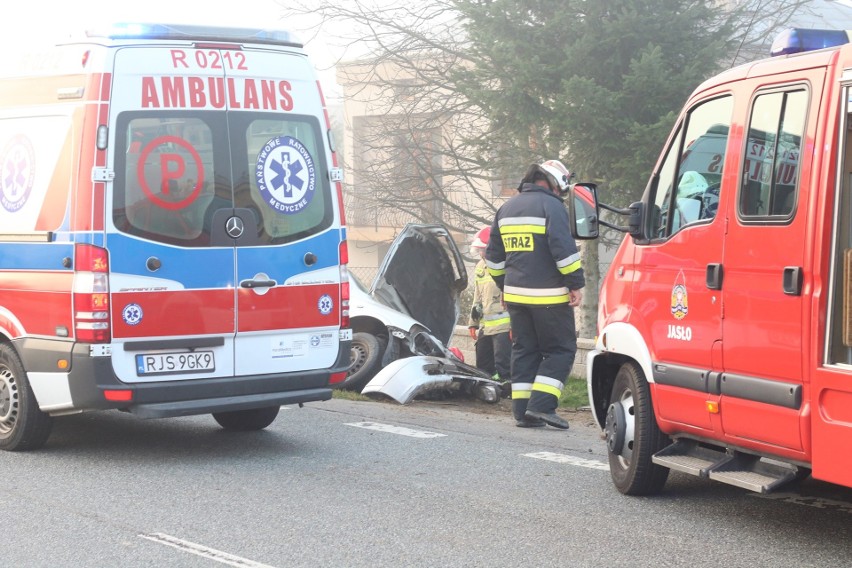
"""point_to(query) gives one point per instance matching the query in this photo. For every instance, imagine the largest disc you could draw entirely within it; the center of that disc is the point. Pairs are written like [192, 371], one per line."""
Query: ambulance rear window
[178, 172]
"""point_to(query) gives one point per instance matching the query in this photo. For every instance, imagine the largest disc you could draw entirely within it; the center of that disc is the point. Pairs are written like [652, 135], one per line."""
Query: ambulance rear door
[223, 242]
[287, 267]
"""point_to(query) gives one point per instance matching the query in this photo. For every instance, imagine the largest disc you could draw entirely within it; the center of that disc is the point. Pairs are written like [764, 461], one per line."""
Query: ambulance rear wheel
[633, 436]
[247, 420]
[22, 425]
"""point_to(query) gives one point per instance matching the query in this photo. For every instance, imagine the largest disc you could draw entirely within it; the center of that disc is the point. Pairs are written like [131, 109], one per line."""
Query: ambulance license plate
[170, 363]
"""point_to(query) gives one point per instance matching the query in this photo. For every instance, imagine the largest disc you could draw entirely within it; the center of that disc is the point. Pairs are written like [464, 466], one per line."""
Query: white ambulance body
[172, 240]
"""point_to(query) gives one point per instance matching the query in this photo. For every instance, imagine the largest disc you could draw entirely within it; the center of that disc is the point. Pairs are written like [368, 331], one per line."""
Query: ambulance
[172, 238]
[724, 346]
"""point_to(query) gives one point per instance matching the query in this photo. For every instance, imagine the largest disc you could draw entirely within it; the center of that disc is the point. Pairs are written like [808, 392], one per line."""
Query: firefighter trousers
[494, 354]
[544, 343]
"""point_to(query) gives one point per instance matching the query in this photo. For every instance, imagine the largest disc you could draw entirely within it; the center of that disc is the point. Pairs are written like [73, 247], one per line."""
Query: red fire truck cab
[724, 345]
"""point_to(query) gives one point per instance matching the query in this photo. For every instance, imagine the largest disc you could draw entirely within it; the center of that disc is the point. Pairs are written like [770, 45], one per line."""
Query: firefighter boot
[550, 418]
[519, 408]
[542, 406]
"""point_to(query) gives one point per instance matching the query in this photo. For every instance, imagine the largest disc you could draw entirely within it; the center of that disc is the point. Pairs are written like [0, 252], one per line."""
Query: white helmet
[559, 172]
[692, 184]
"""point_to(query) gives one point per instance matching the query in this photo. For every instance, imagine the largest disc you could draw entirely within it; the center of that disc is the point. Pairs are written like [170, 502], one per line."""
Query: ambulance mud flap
[404, 379]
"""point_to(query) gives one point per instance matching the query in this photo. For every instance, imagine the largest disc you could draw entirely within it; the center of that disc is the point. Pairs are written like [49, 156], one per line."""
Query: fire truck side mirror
[634, 221]
[583, 210]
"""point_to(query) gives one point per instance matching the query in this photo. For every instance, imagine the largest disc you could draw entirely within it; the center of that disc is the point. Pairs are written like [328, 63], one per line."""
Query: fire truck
[724, 346]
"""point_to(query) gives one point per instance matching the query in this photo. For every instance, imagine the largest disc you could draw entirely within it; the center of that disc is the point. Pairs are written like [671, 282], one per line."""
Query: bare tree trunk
[586, 316]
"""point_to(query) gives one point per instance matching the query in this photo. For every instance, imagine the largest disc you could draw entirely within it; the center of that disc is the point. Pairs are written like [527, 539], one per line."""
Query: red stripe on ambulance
[286, 307]
[175, 312]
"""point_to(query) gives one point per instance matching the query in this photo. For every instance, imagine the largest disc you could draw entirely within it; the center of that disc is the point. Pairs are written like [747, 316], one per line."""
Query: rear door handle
[257, 283]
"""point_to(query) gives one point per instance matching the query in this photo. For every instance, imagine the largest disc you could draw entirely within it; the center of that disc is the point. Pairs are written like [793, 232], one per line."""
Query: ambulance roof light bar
[799, 40]
[188, 32]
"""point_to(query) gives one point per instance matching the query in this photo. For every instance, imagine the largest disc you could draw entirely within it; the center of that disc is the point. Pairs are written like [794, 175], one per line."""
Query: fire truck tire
[247, 420]
[22, 425]
[631, 468]
[365, 360]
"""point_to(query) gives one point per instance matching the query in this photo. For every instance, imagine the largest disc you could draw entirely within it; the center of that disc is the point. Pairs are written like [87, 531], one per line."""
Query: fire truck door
[764, 263]
[677, 298]
[831, 391]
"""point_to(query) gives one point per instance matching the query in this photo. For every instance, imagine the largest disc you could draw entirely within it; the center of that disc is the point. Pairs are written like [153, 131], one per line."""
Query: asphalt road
[370, 484]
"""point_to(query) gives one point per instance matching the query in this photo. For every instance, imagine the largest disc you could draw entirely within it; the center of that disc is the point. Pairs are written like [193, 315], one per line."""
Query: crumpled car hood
[404, 379]
[423, 276]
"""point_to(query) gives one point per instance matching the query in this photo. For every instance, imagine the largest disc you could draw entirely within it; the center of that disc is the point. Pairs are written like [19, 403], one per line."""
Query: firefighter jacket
[488, 310]
[531, 254]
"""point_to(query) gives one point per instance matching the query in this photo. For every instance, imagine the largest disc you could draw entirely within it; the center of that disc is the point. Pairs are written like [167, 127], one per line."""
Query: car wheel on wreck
[365, 360]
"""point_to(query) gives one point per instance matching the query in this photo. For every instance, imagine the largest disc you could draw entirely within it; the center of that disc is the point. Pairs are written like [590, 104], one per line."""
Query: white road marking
[816, 502]
[203, 551]
[395, 430]
[570, 460]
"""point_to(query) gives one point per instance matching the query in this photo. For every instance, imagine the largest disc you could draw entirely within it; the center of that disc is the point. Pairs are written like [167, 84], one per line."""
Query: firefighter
[533, 258]
[489, 320]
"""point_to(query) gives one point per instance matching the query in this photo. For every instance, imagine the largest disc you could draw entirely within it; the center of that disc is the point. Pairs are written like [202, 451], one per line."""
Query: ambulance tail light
[91, 294]
[344, 284]
[799, 40]
[337, 377]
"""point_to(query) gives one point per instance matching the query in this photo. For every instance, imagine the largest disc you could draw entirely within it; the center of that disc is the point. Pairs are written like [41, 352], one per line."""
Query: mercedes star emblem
[234, 227]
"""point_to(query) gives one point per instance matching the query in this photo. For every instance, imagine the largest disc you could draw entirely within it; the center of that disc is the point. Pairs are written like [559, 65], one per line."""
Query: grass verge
[575, 394]
[348, 395]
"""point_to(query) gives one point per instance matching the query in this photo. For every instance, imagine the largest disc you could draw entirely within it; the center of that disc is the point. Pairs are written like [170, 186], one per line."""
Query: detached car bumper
[404, 379]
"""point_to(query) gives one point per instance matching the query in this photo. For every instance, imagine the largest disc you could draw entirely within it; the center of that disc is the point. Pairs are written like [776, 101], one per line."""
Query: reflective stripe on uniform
[548, 385]
[522, 225]
[570, 264]
[521, 390]
[513, 229]
[496, 319]
[536, 296]
[496, 268]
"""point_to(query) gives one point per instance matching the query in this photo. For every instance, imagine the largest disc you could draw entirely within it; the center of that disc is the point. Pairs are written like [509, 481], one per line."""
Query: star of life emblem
[17, 173]
[132, 314]
[325, 304]
[286, 175]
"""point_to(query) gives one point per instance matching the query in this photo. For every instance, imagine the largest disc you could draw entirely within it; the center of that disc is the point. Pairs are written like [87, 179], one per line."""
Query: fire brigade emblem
[286, 175]
[17, 174]
[680, 304]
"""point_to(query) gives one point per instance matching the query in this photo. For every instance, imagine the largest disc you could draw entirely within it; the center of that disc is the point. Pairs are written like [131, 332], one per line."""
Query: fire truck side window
[690, 176]
[771, 166]
[840, 315]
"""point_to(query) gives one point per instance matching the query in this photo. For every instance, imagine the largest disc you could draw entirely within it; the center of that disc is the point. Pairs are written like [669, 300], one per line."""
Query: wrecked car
[409, 312]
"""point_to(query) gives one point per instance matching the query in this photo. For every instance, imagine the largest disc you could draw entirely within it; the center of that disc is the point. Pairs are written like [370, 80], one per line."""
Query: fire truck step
[734, 468]
[753, 473]
[690, 457]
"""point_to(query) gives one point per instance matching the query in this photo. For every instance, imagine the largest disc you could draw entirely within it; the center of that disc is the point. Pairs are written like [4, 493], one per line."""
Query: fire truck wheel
[22, 425]
[365, 360]
[633, 427]
[247, 420]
